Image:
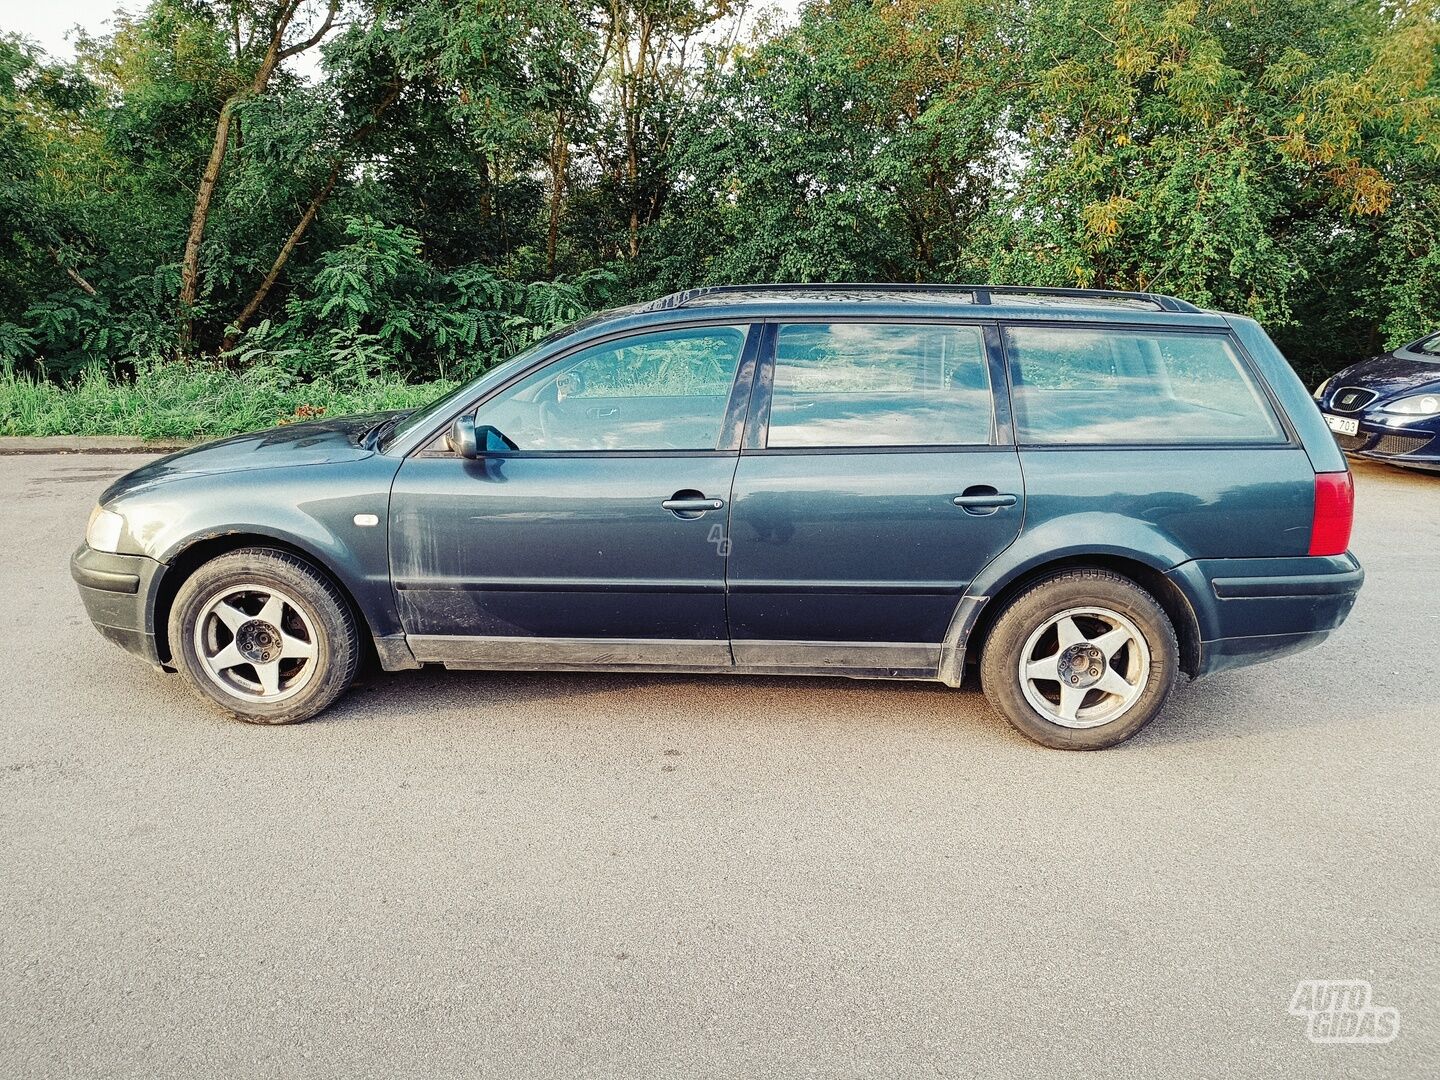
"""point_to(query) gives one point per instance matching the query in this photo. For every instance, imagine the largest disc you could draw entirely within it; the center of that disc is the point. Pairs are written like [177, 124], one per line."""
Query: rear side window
[879, 384]
[1083, 385]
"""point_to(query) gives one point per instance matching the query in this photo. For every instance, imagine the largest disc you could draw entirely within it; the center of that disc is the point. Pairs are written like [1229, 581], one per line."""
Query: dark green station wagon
[1081, 494]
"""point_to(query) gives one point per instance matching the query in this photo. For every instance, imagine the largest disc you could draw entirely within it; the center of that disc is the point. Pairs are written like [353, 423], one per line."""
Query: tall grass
[186, 401]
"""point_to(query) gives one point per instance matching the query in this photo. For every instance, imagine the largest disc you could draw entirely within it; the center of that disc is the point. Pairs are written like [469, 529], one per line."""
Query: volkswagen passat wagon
[1082, 495]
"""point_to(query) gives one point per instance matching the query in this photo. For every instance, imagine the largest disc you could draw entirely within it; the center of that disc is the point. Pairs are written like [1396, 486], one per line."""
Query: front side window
[661, 391]
[1169, 388]
[879, 384]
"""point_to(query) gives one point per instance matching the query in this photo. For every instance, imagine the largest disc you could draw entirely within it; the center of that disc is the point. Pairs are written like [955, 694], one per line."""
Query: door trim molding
[871, 656]
[569, 585]
[918, 588]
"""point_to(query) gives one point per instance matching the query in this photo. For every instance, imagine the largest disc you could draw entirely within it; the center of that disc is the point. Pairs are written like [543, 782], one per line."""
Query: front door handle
[993, 501]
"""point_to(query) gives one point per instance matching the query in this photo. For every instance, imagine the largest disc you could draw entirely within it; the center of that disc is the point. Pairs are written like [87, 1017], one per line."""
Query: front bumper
[119, 593]
[1414, 447]
[1252, 610]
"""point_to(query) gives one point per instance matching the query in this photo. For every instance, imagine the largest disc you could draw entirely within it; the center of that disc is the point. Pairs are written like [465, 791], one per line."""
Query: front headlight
[1418, 405]
[1320, 390]
[103, 532]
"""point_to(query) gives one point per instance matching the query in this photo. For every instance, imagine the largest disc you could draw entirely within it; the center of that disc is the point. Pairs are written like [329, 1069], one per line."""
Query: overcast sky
[48, 21]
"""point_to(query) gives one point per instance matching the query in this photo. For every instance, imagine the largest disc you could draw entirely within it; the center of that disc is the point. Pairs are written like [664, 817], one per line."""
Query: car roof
[751, 302]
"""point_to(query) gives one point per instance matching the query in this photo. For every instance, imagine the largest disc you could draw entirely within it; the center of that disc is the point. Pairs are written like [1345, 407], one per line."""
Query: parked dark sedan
[1083, 495]
[1387, 408]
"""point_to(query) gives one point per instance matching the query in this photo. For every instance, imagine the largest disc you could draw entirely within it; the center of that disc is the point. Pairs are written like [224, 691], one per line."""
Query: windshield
[422, 418]
[1429, 346]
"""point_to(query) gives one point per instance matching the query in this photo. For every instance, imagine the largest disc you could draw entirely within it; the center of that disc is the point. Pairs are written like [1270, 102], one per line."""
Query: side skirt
[862, 659]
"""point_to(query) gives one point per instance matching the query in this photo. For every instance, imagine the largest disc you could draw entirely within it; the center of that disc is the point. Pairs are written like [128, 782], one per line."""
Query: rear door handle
[982, 501]
[692, 506]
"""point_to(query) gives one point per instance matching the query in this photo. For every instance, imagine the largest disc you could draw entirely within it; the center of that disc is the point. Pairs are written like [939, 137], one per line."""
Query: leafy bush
[375, 309]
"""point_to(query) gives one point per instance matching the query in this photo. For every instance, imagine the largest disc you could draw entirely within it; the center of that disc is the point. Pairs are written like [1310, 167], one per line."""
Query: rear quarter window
[1169, 388]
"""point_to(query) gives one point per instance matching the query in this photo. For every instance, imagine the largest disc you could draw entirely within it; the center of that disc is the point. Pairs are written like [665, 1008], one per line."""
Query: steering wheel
[552, 421]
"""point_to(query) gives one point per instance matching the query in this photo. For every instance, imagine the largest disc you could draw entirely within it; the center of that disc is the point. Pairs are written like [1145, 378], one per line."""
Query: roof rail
[1160, 300]
[976, 294]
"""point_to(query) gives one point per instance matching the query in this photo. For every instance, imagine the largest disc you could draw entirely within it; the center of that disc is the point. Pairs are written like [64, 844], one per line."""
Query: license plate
[1344, 425]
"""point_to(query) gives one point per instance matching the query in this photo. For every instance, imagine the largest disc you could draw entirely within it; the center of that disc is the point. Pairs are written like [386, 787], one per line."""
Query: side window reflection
[880, 384]
[1082, 385]
[661, 391]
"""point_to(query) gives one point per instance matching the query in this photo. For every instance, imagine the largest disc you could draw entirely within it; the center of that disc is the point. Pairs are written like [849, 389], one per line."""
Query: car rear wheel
[1081, 660]
[264, 636]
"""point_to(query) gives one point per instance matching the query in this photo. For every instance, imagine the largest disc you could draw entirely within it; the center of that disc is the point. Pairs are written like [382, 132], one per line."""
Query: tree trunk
[634, 103]
[559, 159]
[204, 196]
[281, 259]
[486, 203]
[190, 264]
[72, 274]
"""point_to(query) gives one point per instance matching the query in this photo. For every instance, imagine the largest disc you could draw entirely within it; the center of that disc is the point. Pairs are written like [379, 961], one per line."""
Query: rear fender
[1076, 536]
[1068, 541]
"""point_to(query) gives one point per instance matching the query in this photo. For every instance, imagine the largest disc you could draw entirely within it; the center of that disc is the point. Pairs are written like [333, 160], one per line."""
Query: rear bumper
[119, 593]
[1252, 610]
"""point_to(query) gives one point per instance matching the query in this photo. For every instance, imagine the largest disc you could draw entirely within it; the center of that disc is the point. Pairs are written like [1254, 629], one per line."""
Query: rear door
[878, 477]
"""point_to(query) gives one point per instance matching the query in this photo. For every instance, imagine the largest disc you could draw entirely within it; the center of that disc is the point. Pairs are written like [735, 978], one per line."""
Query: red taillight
[1334, 513]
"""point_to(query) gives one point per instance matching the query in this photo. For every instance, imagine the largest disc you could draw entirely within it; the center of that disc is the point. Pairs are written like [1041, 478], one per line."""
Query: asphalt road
[603, 875]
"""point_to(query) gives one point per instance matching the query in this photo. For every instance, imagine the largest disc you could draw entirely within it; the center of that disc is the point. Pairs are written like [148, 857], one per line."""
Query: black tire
[336, 644]
[1043, 601]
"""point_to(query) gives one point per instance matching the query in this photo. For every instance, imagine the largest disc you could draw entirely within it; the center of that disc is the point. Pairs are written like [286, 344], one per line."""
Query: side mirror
[462, 437]
[493, 440]
[469, 441]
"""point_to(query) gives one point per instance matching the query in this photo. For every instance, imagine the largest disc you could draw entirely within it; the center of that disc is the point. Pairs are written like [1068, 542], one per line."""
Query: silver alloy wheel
[256, 643]
[1095, 666]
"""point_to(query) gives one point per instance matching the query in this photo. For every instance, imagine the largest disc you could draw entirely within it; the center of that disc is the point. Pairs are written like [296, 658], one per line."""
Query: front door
[598, 539]
[877, 480]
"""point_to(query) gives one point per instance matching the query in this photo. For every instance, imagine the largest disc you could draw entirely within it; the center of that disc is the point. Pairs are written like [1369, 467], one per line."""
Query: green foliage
[374, 308]
[461, 178]
[1188, 147]
[185, 401]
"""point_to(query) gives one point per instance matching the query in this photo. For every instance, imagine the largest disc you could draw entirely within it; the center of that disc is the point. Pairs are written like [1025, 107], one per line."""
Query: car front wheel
[264, 636]
[1081, 660]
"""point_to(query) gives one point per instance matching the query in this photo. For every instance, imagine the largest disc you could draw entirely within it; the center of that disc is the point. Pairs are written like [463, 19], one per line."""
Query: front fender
[312, 508]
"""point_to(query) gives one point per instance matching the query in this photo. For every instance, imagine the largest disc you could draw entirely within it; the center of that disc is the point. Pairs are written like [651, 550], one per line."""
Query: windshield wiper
[380, 430]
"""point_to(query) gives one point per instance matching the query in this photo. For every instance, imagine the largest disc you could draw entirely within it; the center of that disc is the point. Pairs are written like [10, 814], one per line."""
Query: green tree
[458, 175]
[860, 145]
[1205, 148]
